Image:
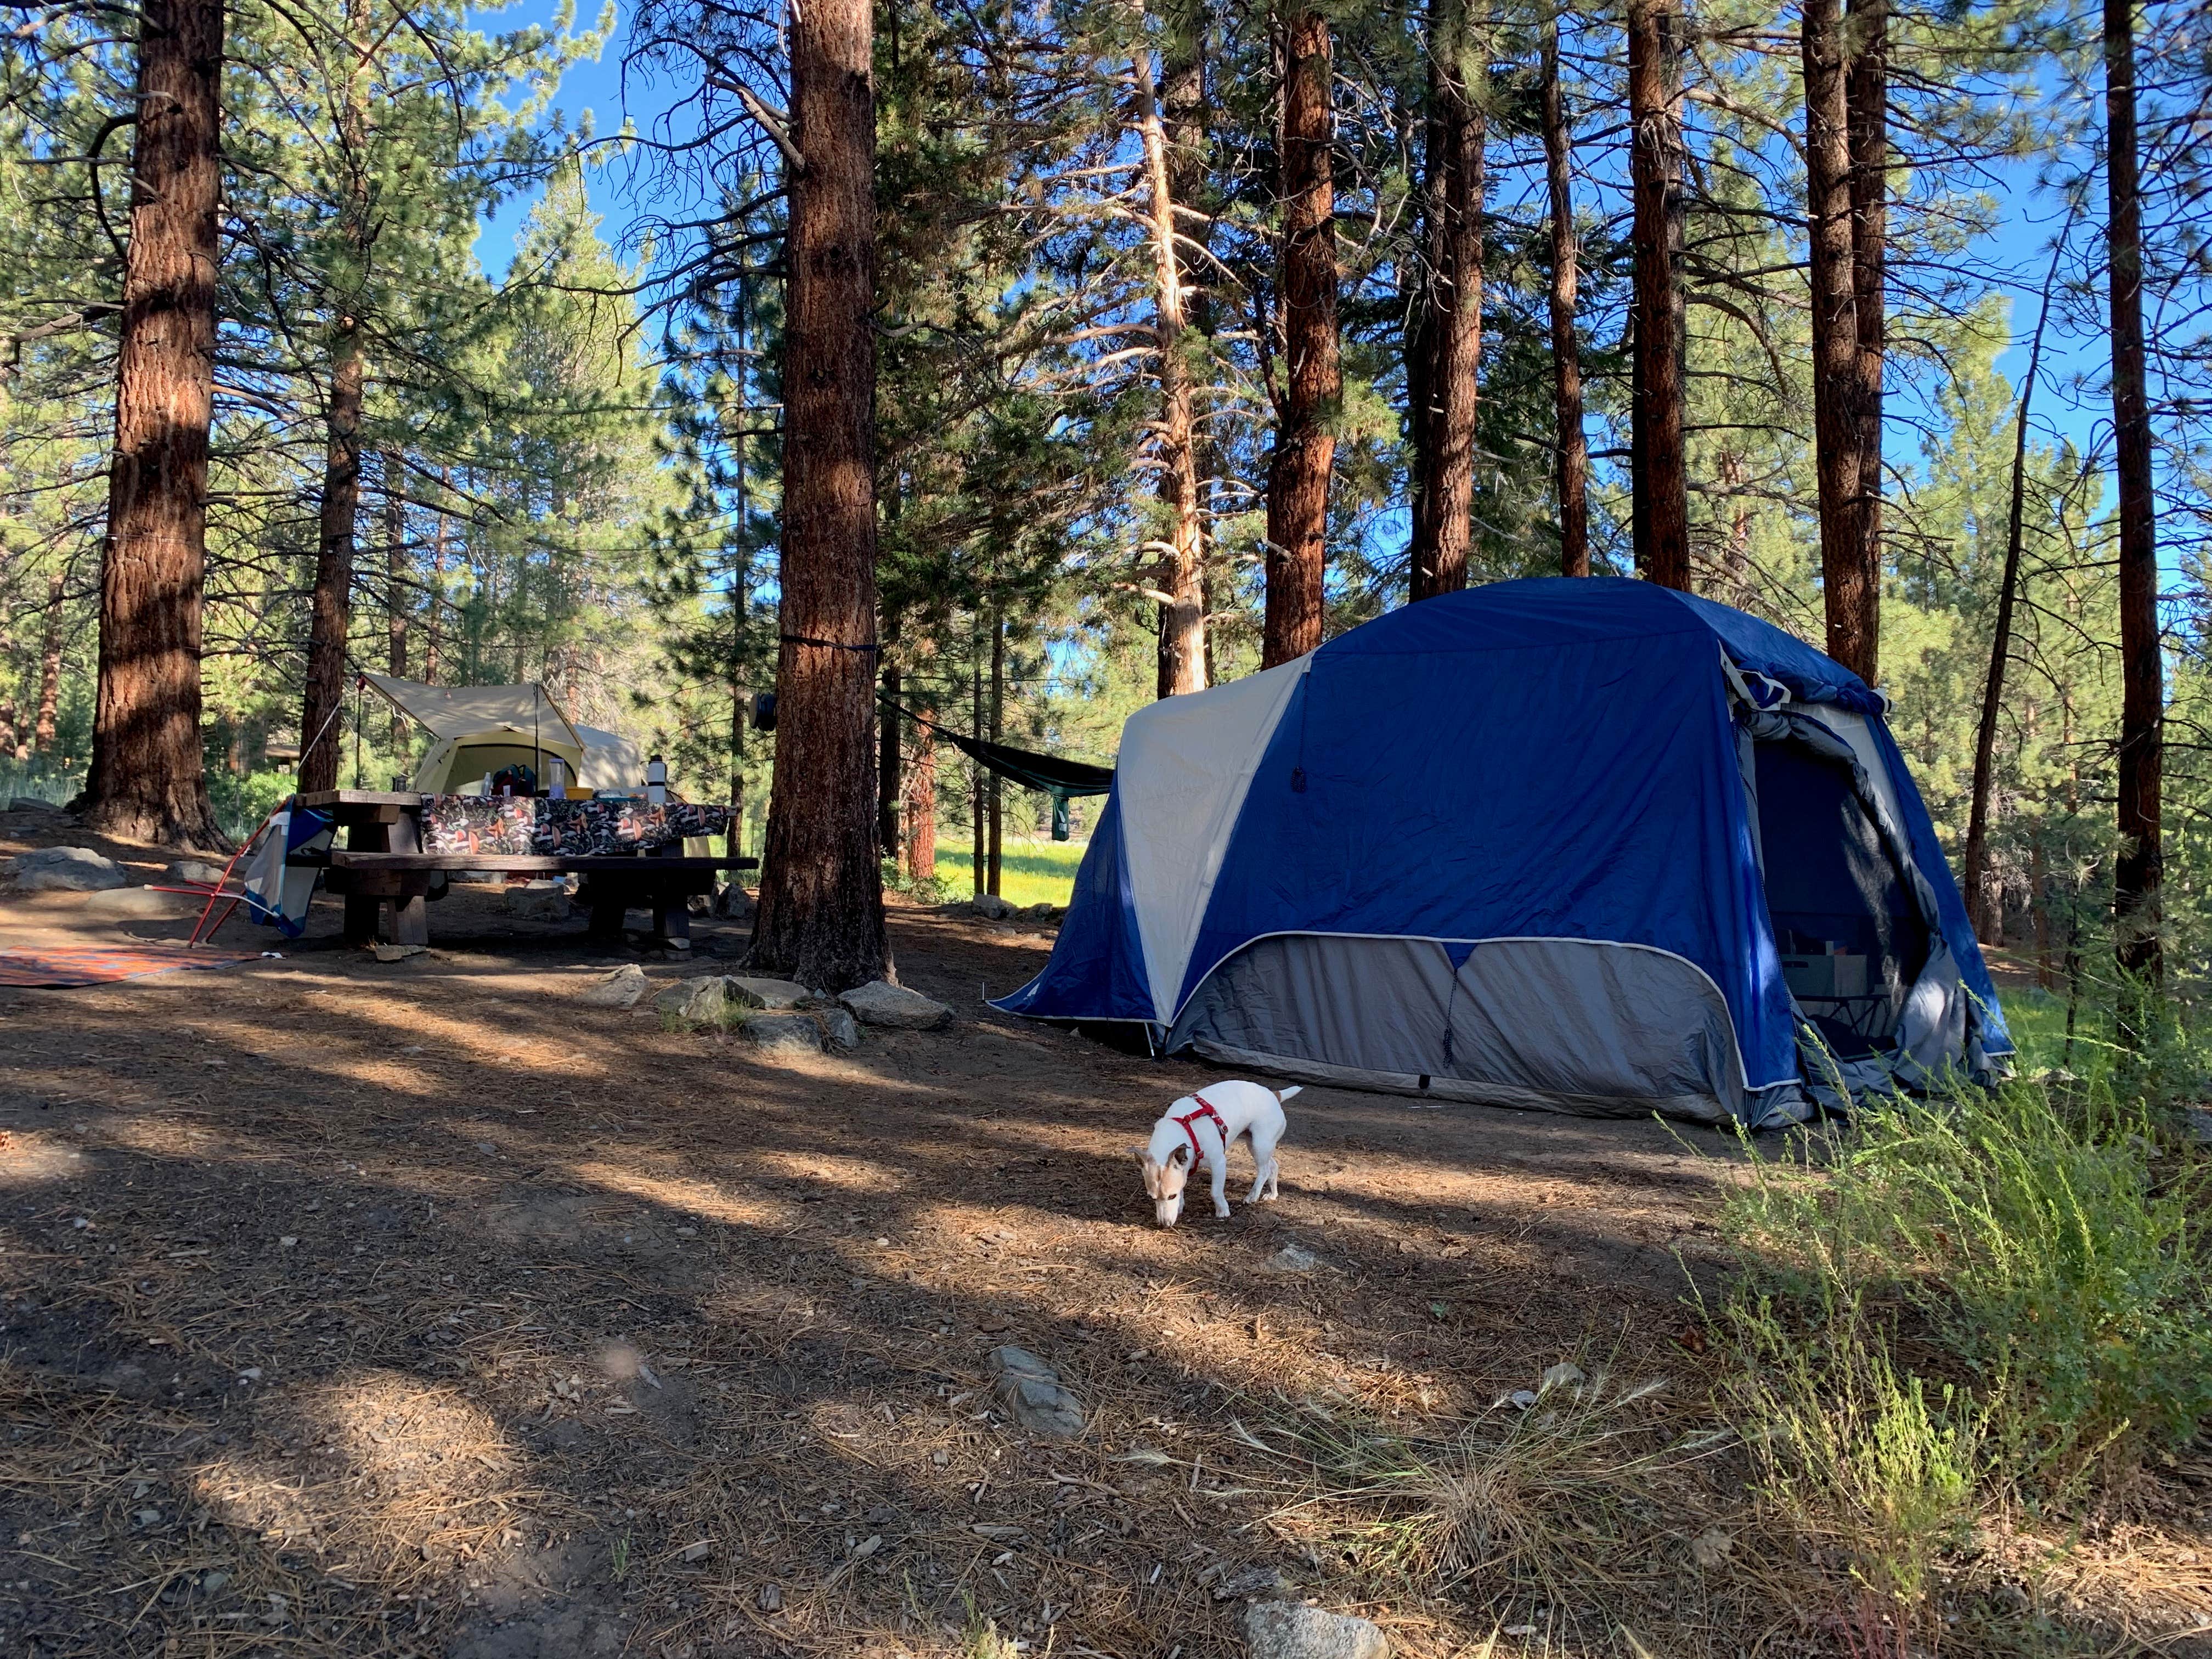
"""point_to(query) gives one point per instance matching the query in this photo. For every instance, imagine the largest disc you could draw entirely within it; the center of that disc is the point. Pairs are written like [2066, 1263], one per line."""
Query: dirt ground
[383, 1309]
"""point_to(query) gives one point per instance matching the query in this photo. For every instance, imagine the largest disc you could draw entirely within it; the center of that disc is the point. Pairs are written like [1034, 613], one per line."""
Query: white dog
[1202, 1125]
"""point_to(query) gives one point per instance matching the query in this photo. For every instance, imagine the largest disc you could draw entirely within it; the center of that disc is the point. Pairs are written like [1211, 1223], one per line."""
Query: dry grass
[590, 1338]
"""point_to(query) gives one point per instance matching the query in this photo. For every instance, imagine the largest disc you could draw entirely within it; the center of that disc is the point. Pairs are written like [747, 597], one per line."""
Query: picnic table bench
[387, 880]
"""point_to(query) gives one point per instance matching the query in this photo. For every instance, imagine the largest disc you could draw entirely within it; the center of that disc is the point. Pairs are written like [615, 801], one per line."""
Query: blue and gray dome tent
[1590, 845]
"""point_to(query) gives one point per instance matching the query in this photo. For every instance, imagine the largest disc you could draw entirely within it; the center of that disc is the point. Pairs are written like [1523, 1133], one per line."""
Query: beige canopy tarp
[478, 729]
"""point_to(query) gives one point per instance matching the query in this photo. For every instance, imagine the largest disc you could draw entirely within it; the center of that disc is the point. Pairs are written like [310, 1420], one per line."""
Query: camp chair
[274, 890]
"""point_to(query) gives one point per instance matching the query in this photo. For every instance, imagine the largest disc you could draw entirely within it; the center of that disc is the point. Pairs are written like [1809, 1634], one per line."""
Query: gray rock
[1291, 1259]
[67, 870]
[990, 906]
[785, 1034]
[196, 870]
[141, 904]
[620, 989]
[733, 903]
[2199, 1122]
[895, 1008]
[697, 1001]
[32, 803]
[1288, 1630]
[840, 1029]
[1564, 1374]
[1046, 912]
[542, 900]
[400, 952]
[772, 995]
[1031, 1389]
[1231, 1583]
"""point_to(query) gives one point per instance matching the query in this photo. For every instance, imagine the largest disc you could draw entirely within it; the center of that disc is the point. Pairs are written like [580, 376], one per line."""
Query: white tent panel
[1185, 766]
[611, 761]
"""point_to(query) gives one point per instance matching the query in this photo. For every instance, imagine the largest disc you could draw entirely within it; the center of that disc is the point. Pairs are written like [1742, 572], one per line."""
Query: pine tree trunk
[1851, 597]
[997, 785]
[978, 816]
[921, 808]
[147, 779]
[331, 614]
[1657, 163]
[433, 633]
[1182, 614]
[1866, 94]
[395, 606]
[332, 605]
[44, 724]
[1985, 733]
[1571, 448]
[1458, 130]
[2140, 869]
[889, 788]
[1184, 119]
[1305, 433]
[821, 916]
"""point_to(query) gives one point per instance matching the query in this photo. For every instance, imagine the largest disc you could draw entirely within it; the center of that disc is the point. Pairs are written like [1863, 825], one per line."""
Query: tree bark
[44, 722]
[330, 613]
[1985, 733]
[996, 786]
[1443, 525]
[432, 614]
[1867, 94]
[395, 606]
[978, 815]
[1183, 612]
[2139, 874]
[890, 789]
[147, 779]
[1313, 375]
[1657, 162]
[921, 807]
[821, 915]
[1571, 448]
[1852, 597]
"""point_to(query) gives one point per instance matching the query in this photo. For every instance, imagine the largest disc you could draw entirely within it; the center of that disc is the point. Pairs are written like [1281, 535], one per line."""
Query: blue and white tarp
[1507, 845]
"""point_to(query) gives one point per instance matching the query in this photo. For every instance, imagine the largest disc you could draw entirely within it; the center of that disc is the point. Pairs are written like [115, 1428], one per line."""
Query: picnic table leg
[406, 919]
[608, 907]
[363, 910]
[671, 916]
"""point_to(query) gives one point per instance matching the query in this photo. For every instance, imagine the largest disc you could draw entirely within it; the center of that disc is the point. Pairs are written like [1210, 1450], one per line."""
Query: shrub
[2040, 1238]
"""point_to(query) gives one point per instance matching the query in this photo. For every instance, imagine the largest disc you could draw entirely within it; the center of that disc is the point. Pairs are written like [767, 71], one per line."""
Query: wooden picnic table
[387, 880]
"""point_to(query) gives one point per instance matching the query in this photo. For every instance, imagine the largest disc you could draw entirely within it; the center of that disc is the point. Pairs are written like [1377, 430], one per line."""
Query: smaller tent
[478, 729]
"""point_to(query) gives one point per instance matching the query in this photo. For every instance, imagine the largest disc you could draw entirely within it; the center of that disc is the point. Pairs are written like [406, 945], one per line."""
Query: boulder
[620, 989]
[1030, 1390]
[990, 906]
[1290, 1630]
[839, 1029]
[734, 903]
[894, 1008]
[67, 870]
[196, 870]
[141, 904]
[541, 901]
[772, 995]
[33, 804]
[784, 1034]
[695, 1001]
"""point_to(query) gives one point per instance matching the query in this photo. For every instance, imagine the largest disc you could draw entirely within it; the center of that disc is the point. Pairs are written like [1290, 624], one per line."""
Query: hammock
[1051, 774]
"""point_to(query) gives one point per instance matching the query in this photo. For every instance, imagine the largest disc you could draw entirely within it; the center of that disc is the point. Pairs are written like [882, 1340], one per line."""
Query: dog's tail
[1284, 1094]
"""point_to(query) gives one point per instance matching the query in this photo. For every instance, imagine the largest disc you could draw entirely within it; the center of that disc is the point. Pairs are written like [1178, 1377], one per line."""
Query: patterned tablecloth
[476, 824]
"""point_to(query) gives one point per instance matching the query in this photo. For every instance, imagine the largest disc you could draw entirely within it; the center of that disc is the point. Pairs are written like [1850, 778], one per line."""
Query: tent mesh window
[1849, 934]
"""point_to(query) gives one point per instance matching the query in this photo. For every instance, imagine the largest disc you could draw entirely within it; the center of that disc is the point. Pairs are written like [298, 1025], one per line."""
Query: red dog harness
[1205, 1109]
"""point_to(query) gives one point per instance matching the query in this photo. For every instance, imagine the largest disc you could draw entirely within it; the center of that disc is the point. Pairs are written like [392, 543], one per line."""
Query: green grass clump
[2040, 1238]
[1039, 872]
